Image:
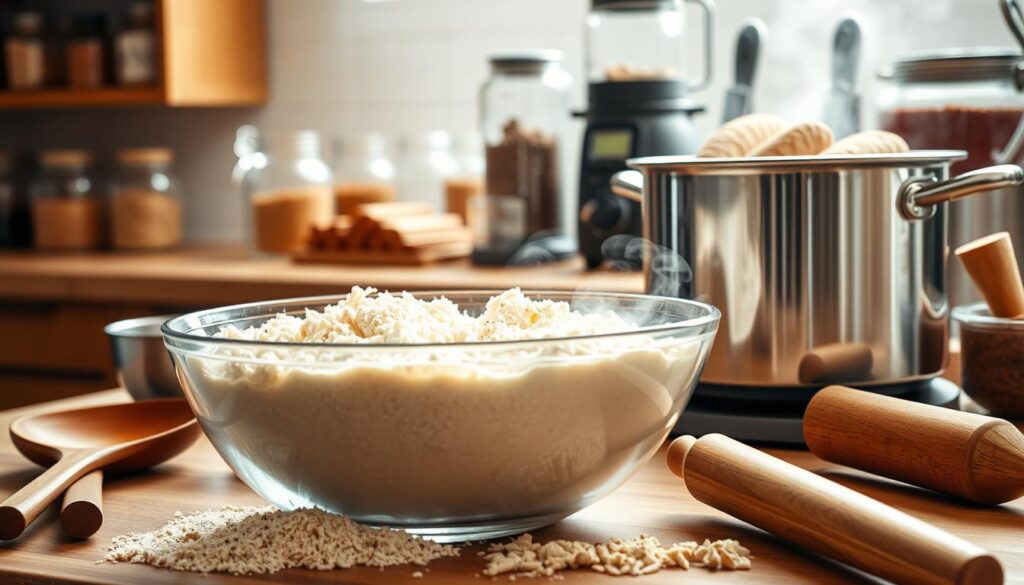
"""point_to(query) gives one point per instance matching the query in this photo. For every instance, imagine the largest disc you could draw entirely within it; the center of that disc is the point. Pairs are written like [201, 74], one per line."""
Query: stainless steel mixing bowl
[144, 367]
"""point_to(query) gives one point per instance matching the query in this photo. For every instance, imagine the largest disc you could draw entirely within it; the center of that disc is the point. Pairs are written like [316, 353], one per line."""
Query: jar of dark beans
[991, 359]
[963, 99]
[523, 210]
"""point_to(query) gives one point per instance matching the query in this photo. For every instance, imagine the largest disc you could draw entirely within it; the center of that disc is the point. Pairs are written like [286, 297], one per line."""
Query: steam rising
[668, 275]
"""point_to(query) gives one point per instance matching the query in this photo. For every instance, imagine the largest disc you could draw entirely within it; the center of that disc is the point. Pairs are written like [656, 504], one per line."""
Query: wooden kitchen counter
[653, 502]
[217, 276]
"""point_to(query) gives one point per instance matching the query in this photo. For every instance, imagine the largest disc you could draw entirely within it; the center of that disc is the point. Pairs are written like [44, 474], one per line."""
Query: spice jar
[364, 174]
[135, 47]
[15, 222]
[525, 120]
[145, 209]
[85, 52]
[25, 52]
[963, 99]
[293, 193]
[66, 212]
[991, 359]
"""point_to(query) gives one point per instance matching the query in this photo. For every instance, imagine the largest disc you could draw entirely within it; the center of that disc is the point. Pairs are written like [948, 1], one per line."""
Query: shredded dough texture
[638, 556]
[365, 316]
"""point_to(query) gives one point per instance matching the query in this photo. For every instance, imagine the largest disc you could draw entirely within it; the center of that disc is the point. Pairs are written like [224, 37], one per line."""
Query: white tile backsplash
[405, 66]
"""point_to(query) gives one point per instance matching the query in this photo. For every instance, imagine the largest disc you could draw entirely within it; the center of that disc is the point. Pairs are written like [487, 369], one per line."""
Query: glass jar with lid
[67, 213]
[145, 208]
[525, 119]
[364, 174]
[292, 193]
[966, 99]
[642, 40]
[24, 52]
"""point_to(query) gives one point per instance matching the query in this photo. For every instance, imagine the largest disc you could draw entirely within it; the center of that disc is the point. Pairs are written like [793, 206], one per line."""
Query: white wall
[404, 66]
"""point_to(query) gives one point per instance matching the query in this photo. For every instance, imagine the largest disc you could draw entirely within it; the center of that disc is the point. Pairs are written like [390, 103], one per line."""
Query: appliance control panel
[602, 214]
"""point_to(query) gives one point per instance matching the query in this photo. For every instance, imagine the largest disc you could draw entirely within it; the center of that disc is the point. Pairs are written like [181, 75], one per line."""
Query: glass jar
[15, 221]
[25, 52]
[365, 173]
[426, 162]
[135, 47]
[86, 59]
[468, 180]
[964, 99]
[145, 208]
[525, 122]
[67, 213]
[641, 40]
[292, 193]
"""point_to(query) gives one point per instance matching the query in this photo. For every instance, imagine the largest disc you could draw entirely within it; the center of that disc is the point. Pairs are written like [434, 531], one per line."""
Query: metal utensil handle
[708, 8]
[918, 196]
[628, 185]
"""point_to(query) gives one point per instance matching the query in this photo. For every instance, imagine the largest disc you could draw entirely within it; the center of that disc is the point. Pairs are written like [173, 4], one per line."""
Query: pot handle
[629, 185]
[918, 196]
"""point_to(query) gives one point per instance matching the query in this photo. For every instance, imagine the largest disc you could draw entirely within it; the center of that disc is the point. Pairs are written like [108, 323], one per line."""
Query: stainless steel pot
[826, 269]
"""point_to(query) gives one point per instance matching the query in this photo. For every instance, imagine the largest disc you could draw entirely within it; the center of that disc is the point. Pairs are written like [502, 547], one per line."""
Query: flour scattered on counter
[523, 557]
[265, 540]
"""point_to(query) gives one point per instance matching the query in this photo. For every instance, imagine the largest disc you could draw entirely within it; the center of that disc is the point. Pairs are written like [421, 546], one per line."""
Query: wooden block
[381, 211]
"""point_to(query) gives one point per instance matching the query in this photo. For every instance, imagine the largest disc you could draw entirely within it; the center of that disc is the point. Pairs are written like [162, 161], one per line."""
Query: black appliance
[626, 119]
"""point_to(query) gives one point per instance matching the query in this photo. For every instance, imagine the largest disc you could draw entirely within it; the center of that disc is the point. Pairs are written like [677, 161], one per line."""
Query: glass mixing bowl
[454, 442]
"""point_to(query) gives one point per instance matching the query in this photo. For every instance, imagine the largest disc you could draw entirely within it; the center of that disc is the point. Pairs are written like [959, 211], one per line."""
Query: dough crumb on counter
[264, 540]
[644, 555]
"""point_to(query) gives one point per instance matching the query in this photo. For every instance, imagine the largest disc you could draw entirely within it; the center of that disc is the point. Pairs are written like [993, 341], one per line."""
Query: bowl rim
[979, 315]
[712, 317]
[125, 327]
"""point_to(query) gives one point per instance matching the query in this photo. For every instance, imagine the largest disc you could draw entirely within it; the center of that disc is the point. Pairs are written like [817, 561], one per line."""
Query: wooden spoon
[118, 438]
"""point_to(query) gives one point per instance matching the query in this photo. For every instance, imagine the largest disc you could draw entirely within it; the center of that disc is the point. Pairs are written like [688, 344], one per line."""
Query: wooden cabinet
[212, 53]
[55, 350]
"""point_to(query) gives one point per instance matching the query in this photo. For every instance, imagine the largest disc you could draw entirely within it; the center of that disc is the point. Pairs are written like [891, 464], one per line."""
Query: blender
[638, 105]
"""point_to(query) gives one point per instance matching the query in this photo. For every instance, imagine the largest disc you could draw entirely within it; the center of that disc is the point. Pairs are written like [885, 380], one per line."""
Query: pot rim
[693, 165]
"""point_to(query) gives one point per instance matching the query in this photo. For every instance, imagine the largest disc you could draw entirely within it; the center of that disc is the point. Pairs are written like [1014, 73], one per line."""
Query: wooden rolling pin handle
[819, 514]
[81, 513]
[850, 361]
[992, 265]
[976, 457]
[21, 508]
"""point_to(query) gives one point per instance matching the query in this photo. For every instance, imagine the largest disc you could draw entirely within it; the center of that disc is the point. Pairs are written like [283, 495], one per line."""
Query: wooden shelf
[210, 54]
[64, 98]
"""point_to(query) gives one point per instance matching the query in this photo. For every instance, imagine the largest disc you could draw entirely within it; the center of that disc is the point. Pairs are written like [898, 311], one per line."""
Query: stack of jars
[64, 211]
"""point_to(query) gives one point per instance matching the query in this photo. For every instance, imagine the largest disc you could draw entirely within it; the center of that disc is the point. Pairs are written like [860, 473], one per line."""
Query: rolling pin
[972, 456]
[809, 510]
[992, 265]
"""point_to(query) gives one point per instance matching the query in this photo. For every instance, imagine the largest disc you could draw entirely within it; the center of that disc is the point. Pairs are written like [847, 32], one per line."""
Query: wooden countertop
[652, 502]
[212, 276]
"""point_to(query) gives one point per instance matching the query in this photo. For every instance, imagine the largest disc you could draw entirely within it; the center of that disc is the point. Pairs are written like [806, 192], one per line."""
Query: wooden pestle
[822, 515]
[992, 265]
[972, 456]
